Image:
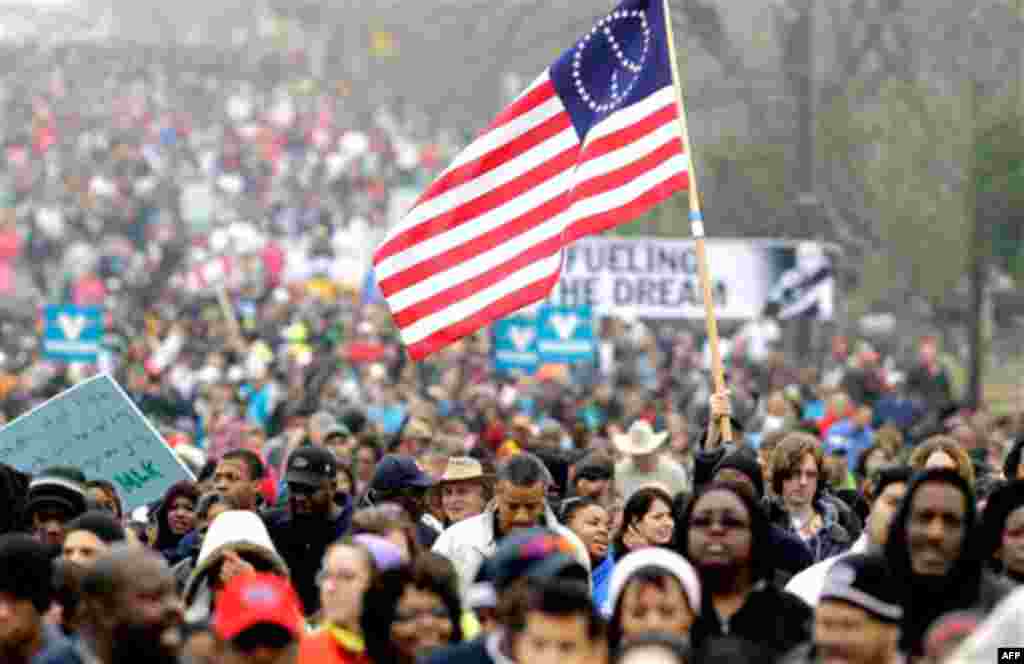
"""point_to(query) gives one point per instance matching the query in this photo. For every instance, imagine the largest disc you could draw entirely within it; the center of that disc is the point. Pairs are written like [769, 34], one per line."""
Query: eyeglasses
[409, 615]
[726, 522]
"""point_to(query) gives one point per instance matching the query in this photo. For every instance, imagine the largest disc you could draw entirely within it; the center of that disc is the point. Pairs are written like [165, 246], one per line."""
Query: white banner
[656, 278]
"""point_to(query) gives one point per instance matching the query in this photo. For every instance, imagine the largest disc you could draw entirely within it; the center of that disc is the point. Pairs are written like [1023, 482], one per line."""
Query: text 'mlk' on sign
[97, 428]
[72, 334]
[565, 334]
[515, 345]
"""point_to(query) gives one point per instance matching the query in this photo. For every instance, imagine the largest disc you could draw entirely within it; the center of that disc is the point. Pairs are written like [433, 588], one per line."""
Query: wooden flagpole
[697, 228]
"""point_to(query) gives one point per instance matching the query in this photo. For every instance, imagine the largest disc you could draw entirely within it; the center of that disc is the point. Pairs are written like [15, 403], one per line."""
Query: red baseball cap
[255, 599]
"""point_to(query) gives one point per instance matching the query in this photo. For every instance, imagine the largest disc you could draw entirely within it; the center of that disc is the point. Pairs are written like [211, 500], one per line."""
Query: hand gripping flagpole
[697, 228]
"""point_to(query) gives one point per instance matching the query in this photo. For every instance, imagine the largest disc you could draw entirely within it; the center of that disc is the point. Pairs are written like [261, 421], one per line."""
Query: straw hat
[462, 468]
[640, 439]
[417, 429]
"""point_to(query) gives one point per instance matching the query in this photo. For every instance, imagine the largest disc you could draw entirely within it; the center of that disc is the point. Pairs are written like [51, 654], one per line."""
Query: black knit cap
[99, 523]
[594, 468]
[26, 570]
[57, 489]
[864, 581]
[745, 463]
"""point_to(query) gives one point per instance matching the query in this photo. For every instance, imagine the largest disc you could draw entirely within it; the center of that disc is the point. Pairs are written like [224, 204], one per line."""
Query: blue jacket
[858, 440]
[601, 579]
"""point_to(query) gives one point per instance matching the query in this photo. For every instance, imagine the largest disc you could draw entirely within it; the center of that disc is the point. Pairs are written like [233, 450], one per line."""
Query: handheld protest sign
[96, 427]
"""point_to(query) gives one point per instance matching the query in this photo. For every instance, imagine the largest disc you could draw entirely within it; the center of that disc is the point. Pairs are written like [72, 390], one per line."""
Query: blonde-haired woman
[943, 452]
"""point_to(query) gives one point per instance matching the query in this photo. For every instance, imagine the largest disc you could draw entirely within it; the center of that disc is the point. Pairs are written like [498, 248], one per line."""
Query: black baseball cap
[396, 472]
[310, 466]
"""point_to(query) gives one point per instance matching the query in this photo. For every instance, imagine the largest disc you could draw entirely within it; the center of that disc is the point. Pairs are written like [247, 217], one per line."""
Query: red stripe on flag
[630, 133]
[464, 289]
[467, 173]
[605, 220]
[511, 303]
[619, 178]
[521, 106]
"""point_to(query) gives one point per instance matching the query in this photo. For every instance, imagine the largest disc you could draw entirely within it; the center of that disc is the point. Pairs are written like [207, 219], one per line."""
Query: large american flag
[594, 142]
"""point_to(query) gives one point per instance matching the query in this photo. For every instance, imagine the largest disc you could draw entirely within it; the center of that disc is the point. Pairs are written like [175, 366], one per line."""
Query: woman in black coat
[726, 537]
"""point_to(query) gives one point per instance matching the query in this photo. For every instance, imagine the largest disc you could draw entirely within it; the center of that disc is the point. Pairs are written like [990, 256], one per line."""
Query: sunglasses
[414, 614]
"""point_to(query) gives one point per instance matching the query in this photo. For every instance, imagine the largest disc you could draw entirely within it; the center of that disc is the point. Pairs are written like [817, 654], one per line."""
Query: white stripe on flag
[474, 267]
[636, 188]
[625, 117]
[498, 136]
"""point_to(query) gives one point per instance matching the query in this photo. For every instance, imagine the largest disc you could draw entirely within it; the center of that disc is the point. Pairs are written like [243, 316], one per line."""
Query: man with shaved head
[131, 613]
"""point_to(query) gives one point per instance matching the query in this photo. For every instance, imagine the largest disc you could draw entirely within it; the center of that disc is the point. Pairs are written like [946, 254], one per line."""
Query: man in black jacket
[312, 521]
[399, 480]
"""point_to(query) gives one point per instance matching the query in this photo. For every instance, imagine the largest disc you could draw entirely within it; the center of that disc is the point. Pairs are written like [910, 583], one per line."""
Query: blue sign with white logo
[515, 345]
[72, 334]
[565, 335]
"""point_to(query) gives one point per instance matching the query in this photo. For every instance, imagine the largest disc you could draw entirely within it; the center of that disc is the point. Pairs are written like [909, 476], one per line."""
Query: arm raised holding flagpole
[697, 229]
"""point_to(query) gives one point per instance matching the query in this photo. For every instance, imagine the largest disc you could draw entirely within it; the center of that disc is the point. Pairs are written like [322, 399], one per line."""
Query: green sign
[97, 428]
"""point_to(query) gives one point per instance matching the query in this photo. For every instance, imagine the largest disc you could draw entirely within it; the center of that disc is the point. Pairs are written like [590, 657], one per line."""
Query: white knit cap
[669, 561]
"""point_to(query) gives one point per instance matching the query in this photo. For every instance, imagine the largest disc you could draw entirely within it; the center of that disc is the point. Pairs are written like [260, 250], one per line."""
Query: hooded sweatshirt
[965, 587]
[239, 531]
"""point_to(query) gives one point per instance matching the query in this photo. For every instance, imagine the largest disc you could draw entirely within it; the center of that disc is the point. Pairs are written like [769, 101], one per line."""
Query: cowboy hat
[462, 468]
[417, 429]
[640, 439]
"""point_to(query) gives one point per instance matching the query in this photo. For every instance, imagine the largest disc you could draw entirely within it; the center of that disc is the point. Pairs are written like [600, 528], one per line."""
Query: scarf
[347, 639]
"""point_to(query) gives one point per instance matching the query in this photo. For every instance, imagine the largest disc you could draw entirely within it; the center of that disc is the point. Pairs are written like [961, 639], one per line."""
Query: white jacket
[468, 543]
[808, 584]
[1002, 628]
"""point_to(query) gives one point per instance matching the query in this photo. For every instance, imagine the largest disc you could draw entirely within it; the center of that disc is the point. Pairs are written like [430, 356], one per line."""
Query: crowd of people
[352, 507]
[539, 543]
